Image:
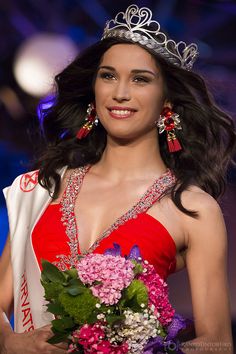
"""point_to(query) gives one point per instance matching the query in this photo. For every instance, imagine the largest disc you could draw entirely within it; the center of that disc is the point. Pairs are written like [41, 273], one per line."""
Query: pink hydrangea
[158, 294]
[113, 272]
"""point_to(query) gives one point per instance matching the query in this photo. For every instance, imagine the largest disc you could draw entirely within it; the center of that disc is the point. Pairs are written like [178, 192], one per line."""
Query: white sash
[26, 201]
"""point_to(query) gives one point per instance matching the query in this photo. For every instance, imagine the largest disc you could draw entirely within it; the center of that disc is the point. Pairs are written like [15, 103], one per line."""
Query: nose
[121, 92]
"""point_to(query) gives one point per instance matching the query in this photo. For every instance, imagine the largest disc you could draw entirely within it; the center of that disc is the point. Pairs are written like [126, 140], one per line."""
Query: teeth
[120, 112]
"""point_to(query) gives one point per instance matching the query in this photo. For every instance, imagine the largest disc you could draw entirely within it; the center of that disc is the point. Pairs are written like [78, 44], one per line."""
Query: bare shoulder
[197, 199]
[203, 203]
[210, 222]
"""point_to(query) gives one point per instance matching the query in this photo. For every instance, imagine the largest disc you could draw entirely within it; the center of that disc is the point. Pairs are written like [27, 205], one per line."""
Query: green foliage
[52, 290]
[71, 273]
[138, 268]
[51, 273]
[163, 333]
[81, 306]
[56, 309]
[135, 295]
[113, 319]
[75, 287]
[62, 324]
[70, 300]
[58, 338]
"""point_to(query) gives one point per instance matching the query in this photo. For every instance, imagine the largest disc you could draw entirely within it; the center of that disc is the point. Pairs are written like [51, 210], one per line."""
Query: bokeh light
[39, 58]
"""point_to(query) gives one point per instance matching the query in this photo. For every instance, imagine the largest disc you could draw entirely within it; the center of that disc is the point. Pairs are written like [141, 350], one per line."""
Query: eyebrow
[134, 71]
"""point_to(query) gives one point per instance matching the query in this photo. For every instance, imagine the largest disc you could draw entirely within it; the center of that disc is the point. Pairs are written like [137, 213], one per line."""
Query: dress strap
[67, 208]
[153, 193]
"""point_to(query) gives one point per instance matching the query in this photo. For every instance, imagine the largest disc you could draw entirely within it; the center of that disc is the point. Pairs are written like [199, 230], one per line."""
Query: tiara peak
[136, 25]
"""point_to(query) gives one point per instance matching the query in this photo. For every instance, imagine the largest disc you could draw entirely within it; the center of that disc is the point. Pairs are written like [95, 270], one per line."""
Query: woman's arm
[6, 293]
[11, 342]
[206, 265]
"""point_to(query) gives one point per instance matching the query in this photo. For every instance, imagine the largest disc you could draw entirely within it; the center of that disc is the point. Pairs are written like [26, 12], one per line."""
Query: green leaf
[163, 333]
[105, 309]
[75, 287]
[136, 294]
[114, 319]
[58, 338]
[97, 282]
[92, 318]
[76, 282]
[75, 290]
[72, 273]
[44, 278]
[138, 269]
[62, 324]
[51, 272]
[56, 309]
[52, 290]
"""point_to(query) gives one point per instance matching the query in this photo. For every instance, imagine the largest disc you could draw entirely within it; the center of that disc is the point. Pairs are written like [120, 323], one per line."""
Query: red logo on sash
[29, 181]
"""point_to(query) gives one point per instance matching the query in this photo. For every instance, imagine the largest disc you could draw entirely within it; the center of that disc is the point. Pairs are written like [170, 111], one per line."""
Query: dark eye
[141, 79]
[107, 76]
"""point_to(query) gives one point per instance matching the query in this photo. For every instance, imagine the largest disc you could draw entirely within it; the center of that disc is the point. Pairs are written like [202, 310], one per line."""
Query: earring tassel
[173, 143]
[84, 130]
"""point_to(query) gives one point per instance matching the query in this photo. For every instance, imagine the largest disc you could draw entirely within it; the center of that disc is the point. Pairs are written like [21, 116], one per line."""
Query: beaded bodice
[153, 193]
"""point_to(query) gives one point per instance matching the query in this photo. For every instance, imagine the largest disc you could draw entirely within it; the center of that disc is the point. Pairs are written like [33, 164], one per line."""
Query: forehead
[129, 57]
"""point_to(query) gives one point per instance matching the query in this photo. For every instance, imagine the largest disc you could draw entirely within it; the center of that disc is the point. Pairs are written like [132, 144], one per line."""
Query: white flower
[136, 330]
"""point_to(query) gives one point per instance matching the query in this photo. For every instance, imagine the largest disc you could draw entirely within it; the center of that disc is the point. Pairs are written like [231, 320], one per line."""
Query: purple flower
[159, 344]
[116, 251]
[135, 254]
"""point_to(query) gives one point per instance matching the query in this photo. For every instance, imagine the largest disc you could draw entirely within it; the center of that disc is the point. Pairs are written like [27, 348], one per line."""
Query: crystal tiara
[137, 25]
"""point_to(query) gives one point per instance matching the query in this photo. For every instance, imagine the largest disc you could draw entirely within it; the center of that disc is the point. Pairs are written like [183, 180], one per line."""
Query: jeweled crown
[136, 24]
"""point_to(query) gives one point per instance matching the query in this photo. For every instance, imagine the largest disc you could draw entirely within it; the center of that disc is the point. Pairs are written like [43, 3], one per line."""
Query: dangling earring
[90, 120]
[169, 121]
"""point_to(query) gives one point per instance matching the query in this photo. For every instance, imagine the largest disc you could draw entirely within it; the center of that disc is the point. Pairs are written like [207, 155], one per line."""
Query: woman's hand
[33, 342]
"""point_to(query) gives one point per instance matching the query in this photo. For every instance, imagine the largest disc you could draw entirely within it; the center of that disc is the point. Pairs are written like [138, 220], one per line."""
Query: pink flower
[92, 338]
[72, 348]
[89, 334]
[105, 347]
[113, 272]
[158, 294]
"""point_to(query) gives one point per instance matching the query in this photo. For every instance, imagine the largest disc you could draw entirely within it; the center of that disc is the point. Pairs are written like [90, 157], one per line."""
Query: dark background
[211, 24]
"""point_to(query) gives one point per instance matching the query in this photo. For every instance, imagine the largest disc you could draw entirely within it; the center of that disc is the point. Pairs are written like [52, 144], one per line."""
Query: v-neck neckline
[75, 181]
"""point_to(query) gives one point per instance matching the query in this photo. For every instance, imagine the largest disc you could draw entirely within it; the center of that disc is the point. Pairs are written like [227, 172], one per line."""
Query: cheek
[101, 92]
[152, 101]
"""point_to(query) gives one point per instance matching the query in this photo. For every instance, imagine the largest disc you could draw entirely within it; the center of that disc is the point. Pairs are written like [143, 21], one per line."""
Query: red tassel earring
[169, 121]
[90, 120]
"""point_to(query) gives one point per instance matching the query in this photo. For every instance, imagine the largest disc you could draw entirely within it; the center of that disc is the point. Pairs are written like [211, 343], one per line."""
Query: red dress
[56, 236]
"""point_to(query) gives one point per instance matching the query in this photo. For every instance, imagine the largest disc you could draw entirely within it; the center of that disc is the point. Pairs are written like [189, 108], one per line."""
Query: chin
[124, 138]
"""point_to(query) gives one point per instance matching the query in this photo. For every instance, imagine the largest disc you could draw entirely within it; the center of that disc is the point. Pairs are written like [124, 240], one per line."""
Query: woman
[123, 182]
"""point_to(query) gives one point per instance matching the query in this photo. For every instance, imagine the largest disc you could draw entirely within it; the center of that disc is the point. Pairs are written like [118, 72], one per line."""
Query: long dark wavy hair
[207, 137]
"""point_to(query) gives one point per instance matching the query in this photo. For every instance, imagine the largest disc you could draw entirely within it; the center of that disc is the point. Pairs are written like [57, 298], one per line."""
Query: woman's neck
[131, 160]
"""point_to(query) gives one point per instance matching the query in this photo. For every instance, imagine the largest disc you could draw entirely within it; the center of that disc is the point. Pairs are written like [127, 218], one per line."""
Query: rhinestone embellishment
[153, 193]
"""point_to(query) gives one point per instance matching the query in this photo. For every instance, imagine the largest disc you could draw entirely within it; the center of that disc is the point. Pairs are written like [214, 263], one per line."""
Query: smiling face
[128, 91]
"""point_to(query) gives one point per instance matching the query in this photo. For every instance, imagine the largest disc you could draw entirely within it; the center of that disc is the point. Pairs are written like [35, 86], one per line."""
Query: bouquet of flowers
[111, 304]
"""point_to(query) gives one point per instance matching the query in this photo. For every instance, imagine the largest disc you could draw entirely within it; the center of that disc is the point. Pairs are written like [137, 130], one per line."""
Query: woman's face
[128, 91]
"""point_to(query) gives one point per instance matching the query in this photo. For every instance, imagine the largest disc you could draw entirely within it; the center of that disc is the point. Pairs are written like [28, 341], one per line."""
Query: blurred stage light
[38, 60]
[12, 103]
